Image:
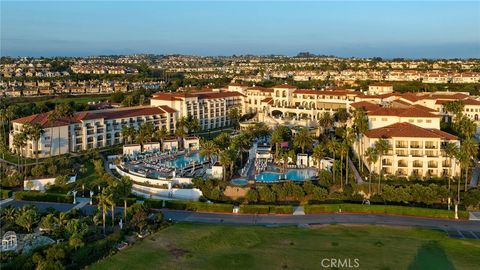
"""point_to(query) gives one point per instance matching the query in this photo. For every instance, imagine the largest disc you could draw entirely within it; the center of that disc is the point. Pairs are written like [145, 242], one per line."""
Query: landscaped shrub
[281, 209]
[43, 197]
[254, 209]
[176, 205]
[5, 193]
[153, 203]
[382, 209]
[209, 207]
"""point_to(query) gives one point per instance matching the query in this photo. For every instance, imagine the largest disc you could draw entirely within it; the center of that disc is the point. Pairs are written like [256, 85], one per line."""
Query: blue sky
[356, 28]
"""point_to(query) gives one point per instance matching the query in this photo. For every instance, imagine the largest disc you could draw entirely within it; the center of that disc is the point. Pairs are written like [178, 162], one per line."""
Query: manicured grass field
[193, 246]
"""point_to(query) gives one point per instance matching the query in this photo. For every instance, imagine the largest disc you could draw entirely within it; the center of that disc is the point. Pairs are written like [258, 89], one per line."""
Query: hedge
[382, 209]
[266, 209]
[152, 203]
[5, 193]
[43, 197]
[281, 209]
[254, 209]
[190, 206]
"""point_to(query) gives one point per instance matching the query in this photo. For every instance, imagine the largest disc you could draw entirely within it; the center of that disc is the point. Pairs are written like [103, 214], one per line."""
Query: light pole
[91, 197]
[74, 196]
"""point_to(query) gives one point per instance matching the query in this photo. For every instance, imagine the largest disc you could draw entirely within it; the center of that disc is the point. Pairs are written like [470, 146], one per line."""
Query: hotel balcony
[432, 165]
[401, 145]
[417, 164]
[402, 164]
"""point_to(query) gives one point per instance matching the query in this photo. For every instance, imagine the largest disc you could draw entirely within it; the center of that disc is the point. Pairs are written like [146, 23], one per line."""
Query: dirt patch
[235, 192]
[177, 252]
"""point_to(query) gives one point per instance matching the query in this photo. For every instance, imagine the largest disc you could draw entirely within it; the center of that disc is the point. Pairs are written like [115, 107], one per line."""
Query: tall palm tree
[303, 139]
[144, 134]
[35, 132]
[227, 159]
[19, 142]
[103, 206]
[333, 146]
[208, 149]
[279, 135]
[123, 189]
[343, 149]
[348, 138]
[372, 157]
[451, 151]
[326, 121]
[128, 133]
[469, 148]
[161, 135]
[319, 154]
[360, 126]
[62, 111]
[382, 146]
[111, 200]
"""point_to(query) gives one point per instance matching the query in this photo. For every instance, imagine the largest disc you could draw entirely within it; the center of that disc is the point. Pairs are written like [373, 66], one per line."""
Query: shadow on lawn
[431, 256]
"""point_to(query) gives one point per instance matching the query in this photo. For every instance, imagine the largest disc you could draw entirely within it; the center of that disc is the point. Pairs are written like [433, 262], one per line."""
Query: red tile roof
[381, 84]
[367, 106]
[43, 120]
[412, 111]
[286, 86]
[408, 130]
[202, 95]
[259, 88]
[335, 92]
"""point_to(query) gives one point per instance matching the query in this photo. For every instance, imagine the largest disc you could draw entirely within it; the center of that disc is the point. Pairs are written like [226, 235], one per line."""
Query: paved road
[343, 218]
[455, 228]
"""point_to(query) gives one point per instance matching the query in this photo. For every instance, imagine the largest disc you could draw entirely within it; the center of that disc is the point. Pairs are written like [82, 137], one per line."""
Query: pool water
[293, 174]
[182, 161]
[239, 182]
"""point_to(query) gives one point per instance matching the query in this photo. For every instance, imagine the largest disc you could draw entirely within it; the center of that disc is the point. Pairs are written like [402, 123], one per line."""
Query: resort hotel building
[410, 122]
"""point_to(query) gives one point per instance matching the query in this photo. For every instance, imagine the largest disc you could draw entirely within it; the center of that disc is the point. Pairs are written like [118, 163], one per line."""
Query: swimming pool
[239, 182]
[292, 174]
[182, 160]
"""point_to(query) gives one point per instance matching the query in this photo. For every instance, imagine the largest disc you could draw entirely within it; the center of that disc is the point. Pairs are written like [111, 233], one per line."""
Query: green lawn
[193, 246]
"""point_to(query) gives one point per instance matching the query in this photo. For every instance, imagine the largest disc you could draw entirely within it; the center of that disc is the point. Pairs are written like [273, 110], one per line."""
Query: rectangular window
[429, 121]
[419, 121]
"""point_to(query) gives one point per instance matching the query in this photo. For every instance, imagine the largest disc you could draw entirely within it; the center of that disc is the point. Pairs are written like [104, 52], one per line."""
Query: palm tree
[468, 148]
[333, 146]
[318, 154]
[35, 132]
[161, 135]
[19, 142]
[103, 206]
[343, 149]
[123, 190]
[303, 139]
[128, 133]
[62, 110]
[227, 159]
[208, 149]
[223, 140]
[192, 124]
[144, 134]
[111, 198]
[242, 143]
[348, 137]
[360, 126]
[451, 151]
[372, 157]
[326, 121]
[382, 147]
[279, 135]
[234, 115]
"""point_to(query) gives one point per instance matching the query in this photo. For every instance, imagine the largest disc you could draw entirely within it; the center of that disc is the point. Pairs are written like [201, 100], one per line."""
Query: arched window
[284, 93]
